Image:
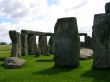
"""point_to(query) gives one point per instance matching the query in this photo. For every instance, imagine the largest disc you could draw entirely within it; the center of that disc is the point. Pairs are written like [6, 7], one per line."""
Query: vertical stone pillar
[101, 41]
[32, 46]
[24, 43]
[107, 8]
[19, 45]
[14, 36]
[67, 42]
[51, 46]
[43, 45]
[88, 41]
[85, 38]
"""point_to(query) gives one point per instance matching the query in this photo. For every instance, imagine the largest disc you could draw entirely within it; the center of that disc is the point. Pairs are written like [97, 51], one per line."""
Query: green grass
[41, 69]
[5, 50]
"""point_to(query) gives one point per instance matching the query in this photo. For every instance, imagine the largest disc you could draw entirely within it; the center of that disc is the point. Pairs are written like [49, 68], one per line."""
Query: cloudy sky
[41, 15]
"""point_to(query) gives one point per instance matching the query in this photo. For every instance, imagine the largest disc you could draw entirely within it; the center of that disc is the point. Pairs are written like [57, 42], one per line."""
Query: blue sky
[6, 19]
[51, 2]
[41, 15]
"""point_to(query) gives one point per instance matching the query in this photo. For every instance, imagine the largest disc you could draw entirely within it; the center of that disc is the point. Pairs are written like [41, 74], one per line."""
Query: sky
[41, 15]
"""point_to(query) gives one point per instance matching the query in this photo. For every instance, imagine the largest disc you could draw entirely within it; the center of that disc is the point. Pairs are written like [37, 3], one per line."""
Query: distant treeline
[4, 43]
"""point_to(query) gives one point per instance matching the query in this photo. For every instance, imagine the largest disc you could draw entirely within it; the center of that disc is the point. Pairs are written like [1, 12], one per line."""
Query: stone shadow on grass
[45, 60]
[53, 71]
[2, 58]
[102, 75]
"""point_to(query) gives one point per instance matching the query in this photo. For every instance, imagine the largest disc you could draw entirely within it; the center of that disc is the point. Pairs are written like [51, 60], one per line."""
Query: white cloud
[13, 8]
[4, 29]
[39, 16]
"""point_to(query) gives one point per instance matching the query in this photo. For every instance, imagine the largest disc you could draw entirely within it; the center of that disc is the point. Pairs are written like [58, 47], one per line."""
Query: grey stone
[67, 46]
[37, 33]
[101, 41]
[82, 44]
[51, 46]
[32, 46]
[14, 62]
[19, 45]
[88, 42]
[39, 51]
[24, 43]
[98, 18]
[107, 7]
[42, 42]
[16, 43]
[82, 34]
[28, 43]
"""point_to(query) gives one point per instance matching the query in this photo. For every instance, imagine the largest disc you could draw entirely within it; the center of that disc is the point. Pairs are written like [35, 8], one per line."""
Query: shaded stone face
[107, 7]
[32, 46]
[88, 42]
[37, 33]
[24, 43]
[51, 46]
[67, 46]
[101, 41]
[42, 43]
[19, 45]
[16, 41]
[99, 18]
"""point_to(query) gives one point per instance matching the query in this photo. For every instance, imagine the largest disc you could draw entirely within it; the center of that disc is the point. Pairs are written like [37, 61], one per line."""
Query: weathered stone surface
[14, 62]
[99, 18]
[32, 46]
[67, 46]
[82, 34]
[37, 33]
[82, 44]
[16, 41]
[24, 43]
[107, 7]
[19, 45]
[51, 46]
[38, 51]
[101, 41]
[43, 45]
[88, 42]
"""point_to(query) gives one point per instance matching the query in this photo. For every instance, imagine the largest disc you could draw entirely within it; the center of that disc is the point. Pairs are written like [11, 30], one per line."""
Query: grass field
[41, 69]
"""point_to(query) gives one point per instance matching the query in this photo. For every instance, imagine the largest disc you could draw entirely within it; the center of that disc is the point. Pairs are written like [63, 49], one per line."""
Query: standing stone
[43, 45]
[32, 46]
[51, 46]
[88, 41]
[38, 51]
[24, 43]
[67, 48]
[19, 45]
[14, 36]
[101, 41]
[107, 7]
